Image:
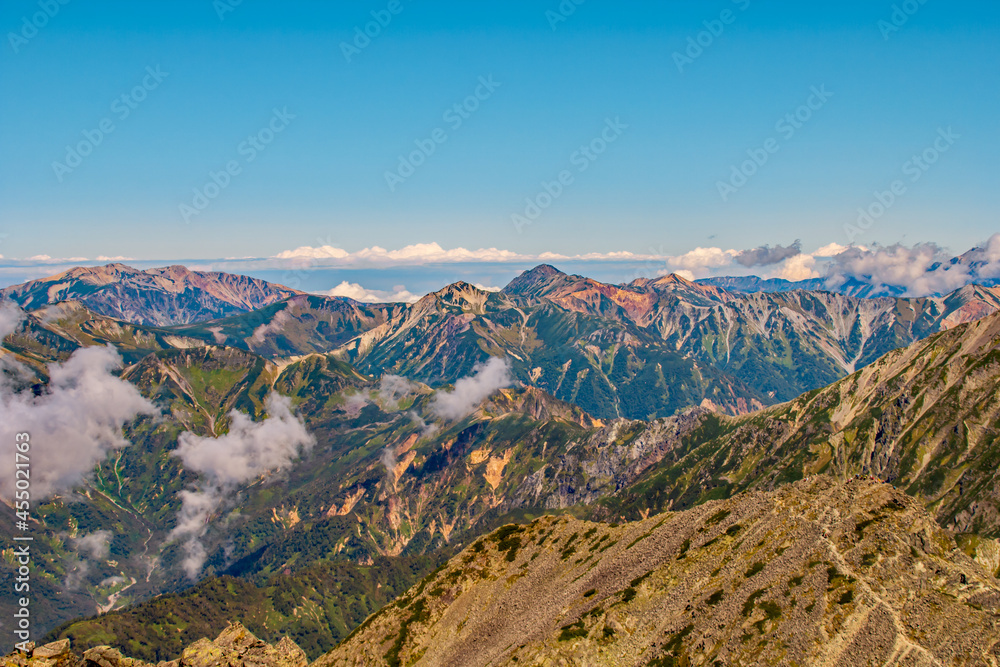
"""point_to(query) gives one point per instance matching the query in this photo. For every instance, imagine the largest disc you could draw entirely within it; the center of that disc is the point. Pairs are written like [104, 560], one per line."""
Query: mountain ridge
[161, 296]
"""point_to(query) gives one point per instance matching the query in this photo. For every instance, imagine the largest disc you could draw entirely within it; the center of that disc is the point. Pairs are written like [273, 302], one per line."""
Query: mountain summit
[530, 282]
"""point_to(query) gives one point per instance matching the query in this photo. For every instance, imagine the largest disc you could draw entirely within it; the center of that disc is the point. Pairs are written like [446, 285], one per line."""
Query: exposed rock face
[818, 573]
[235, 647]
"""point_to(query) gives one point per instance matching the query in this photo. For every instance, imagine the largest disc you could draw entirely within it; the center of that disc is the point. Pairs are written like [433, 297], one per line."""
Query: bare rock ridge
[817, 573]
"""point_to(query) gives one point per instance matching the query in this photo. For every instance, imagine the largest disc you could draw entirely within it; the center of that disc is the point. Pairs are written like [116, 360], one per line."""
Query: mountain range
[643, 350]
[614, 403]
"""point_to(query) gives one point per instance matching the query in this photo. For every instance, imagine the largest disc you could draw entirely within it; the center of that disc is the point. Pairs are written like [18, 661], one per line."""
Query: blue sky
[654, 190]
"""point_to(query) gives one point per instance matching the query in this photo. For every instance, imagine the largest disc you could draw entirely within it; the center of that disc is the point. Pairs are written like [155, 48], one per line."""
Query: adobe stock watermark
[581, 159]
[787, 127]
[913, 169]
[562, 13]
[223, 7]
[248, 149]
[30, 25]
[21, 550]
[363, 35]
[714, 28]
[901, 14]
[455, 116]
[122, 107]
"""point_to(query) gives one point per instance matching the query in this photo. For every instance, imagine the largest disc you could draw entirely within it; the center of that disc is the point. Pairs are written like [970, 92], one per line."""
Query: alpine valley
[566, 472]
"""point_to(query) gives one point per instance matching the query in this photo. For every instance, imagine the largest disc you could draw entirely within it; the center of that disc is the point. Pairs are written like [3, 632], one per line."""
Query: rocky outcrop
[234, 647]
[237, 646]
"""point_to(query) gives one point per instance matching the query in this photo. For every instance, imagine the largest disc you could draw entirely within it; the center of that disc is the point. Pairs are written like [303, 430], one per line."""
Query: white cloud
[321, 252]
[800, 267]
[355, 291]
[419, 253]
[987, 258]
[112, 581]
[701, 259]
[250, 449]
[920, 270]
[104, 258]
[10, 318]
[470, 391]
[433, 253]
[393, 388]
[830, 250]
[97, 544]
[355, 403]
[73, 425]
[275, 326]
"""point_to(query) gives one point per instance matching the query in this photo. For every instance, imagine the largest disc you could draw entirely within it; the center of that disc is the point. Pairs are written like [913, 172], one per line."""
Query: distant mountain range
[158, 297]
[643, 350]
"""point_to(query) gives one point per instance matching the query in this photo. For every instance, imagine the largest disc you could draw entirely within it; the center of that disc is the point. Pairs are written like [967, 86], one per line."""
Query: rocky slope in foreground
[816, 573]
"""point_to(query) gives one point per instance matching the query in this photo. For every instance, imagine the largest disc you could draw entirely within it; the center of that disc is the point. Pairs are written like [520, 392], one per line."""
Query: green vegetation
[508, 540]
[338, 596]
[752, 601]
[685, 545]
[419, 614]
[573, 631]
[717, 517]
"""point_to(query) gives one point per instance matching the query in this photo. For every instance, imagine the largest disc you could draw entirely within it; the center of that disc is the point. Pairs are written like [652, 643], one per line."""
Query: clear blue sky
[323, 176]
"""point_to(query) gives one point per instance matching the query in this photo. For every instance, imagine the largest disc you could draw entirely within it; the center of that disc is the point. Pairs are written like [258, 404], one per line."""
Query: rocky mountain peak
[529, 282]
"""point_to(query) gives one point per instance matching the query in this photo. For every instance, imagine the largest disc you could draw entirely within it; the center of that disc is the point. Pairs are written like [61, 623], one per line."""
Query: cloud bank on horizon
[920, 270]
[925, 268]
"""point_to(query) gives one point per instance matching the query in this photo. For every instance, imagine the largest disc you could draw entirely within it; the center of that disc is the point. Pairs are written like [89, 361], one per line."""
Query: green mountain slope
[925, 418]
